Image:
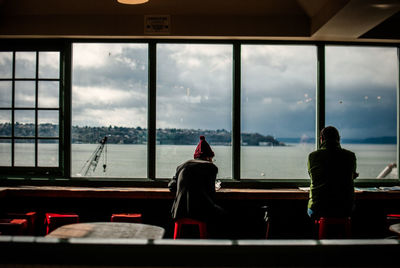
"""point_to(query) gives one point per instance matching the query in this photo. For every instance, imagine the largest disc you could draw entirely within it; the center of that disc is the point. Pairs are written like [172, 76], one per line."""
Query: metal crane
[91, 164]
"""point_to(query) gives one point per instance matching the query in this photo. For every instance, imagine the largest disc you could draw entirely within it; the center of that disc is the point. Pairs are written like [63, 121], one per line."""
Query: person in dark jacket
[194, 187]
[194, 184]
[332, 170]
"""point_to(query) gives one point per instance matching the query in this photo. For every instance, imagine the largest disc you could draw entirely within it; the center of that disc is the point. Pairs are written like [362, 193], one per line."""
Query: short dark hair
[330, 133]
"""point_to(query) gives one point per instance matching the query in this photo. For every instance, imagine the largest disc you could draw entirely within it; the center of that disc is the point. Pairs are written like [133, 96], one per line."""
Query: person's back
[332, 171]
[195, 190]
[194, 184]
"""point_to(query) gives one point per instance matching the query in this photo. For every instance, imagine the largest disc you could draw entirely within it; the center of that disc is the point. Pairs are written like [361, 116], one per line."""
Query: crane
[91, 164]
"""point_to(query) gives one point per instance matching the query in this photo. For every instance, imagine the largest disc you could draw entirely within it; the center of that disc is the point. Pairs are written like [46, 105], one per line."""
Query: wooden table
[395, 228]
[108, 230]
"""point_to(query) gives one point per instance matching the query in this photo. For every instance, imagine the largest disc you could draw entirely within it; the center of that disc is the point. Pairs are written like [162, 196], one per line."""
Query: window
[109, 99]
[136, 110]
[361, 101]
[278, 110]
[30, 108]
[194, 95]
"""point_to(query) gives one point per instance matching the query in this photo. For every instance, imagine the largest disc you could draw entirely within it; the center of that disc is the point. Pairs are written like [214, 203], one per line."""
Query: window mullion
[398, 111]
[151, 121]
[320, 94]
[36, 109]
[65, 106]
[236, 128]
[13, 112]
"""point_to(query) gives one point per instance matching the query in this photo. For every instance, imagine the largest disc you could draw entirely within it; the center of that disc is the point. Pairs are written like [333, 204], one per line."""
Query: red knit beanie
[203, 149]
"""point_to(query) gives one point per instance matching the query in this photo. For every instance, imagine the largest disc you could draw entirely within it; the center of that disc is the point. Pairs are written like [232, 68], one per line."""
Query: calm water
[130, 161]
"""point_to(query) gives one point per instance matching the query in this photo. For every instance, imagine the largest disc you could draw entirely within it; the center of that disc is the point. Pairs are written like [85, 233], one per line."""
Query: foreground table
[395, 228]
[109, 230]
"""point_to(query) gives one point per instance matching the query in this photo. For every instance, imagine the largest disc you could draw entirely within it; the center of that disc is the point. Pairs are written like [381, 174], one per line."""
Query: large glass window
[278, 110]
[29, 108]
[361, 103]
[194, 96]
[109, 110]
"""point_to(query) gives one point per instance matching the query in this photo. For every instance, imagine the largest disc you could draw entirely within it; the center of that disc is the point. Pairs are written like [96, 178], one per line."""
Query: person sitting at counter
[332, 170]
[194, 187]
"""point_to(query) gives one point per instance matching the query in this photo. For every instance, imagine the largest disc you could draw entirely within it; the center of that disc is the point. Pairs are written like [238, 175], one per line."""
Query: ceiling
[336, 20]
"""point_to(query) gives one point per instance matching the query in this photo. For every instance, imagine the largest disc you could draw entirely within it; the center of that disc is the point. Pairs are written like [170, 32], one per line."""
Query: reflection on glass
[49, 64]
[25, 94]
[48, 123]
[47, 153]
[5, 94]
[109, 99]
[361, 103]
[194, 94]
[48, 95]
[25, 65]
[24, 123]
[6, 65]
[278, 110]
[5, 123]
[5, 153]
[24, 153]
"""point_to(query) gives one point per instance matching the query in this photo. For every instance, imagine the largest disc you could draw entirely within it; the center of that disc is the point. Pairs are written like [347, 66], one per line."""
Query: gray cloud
[194, 88]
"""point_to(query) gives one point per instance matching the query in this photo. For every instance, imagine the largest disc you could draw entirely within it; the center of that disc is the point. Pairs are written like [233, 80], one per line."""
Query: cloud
[110, 85]
[194, 87]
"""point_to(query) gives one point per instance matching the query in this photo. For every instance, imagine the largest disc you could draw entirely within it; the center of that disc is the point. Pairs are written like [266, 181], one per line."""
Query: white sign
[157, 24]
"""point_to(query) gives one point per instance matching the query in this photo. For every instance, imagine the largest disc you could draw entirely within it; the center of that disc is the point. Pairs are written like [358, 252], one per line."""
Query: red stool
[393, 218]
[186, 221]
[127, 217]
[13, 226]
[55, 220]
[29, 216]
[334, 227]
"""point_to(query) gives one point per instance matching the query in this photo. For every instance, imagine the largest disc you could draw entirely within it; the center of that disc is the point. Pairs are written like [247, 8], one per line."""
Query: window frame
[15, 46]
[62, 174]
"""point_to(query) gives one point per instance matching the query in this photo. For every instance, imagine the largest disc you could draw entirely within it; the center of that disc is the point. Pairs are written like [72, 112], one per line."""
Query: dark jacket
[194, 184]
[332, 171]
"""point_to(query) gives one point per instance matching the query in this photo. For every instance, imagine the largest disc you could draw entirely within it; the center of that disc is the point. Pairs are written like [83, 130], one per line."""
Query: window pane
[194, 95]
[49, 64]
[278, 110]
[5, 123]
[361, 103]
[49, 93]
[24, 123]
[5, 94]
[5, 153]
[25, 153]
[25, 64]
[6, 65]
[48, 153]
[110, 99]
[25, 94]
[48, 123]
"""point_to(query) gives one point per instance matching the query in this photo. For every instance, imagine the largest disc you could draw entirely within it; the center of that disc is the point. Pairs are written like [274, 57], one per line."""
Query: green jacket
[332, 171]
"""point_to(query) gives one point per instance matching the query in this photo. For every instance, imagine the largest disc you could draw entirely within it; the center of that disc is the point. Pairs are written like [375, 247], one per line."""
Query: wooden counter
[164, 193]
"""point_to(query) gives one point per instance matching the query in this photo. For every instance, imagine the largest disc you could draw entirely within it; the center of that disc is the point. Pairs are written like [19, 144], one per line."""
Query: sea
[257, 162]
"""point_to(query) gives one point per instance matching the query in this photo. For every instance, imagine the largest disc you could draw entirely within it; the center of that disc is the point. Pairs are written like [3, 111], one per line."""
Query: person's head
[203, 150]
[329, 134]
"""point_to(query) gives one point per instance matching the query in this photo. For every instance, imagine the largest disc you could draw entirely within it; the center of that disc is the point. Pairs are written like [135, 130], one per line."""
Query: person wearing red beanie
[203, 150]
[194, 187]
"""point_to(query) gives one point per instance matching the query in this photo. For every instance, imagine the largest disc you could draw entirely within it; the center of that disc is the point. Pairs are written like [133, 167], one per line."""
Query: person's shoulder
[348, 152]
[204, 164]
[316, 153]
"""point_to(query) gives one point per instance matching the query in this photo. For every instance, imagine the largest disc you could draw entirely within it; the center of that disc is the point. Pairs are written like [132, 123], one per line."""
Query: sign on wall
[157, 24]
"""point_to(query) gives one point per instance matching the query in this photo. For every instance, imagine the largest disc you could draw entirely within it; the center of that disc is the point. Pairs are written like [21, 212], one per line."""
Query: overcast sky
[194, 87]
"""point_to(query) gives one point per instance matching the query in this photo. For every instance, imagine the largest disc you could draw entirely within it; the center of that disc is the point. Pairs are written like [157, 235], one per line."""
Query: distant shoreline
[165, 136]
